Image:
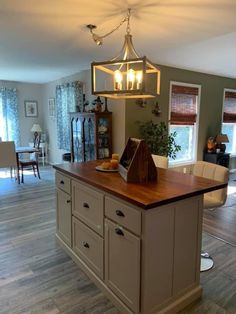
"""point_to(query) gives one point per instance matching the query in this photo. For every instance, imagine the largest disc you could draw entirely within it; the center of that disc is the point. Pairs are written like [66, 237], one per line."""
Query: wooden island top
[170, 186]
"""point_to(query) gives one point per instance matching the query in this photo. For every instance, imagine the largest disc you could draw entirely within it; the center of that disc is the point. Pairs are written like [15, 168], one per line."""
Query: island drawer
[63, 182]
[88, 206]
[88, 246]
[123, 214]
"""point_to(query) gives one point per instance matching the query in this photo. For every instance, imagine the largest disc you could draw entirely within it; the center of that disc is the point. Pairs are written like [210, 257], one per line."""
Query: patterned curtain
[69, 98]
[9, 116]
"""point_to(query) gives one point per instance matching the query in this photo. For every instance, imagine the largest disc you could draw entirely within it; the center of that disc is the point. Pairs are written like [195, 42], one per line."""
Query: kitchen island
[139, 243]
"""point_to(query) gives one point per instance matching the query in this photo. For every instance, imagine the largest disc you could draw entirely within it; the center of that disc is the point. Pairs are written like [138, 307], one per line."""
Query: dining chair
[8, 155]
[31, 162]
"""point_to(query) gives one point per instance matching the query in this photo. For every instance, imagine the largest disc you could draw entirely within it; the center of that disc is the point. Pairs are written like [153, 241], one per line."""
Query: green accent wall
[212, 89]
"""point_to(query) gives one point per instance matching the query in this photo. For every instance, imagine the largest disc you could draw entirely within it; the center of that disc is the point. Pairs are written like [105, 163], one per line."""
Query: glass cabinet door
[77, 140]
[91, 135]
[89, 139]
[103, 136]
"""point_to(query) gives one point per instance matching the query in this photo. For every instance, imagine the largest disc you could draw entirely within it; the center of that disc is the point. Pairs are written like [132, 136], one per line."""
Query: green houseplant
[157, 138]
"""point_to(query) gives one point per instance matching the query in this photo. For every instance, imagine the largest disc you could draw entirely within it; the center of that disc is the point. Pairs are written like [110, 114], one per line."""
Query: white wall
[27, 91]
[118, 124]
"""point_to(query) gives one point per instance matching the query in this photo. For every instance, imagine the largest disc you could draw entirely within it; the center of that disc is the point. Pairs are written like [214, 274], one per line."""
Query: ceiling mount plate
[91, 26]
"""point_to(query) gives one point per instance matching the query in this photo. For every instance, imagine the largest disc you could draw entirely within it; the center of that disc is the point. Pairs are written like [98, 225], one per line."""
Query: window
[184, 111]
[229, 119]
[9, 117]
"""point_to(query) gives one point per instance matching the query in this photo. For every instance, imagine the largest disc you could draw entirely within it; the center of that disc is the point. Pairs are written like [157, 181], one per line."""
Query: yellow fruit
[114, 163]
[115, 156]
[105, 165]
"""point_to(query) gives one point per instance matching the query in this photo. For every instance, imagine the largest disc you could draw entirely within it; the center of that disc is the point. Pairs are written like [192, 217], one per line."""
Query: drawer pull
[119, 231]
[86, 205]
[85, 244]
[62, 182]
[68, 201]
[119, 213]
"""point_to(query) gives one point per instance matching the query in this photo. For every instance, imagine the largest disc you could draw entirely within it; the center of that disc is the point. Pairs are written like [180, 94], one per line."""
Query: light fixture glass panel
[125, 79]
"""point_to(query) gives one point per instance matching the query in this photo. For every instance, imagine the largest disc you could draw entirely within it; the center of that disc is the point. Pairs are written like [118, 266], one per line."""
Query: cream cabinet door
[87, 205]
[122, 264]
[64, 216]
[88, 245]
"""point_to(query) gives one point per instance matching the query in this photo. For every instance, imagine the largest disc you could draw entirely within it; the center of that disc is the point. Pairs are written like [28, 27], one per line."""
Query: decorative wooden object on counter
[136, 163]
[139, 243]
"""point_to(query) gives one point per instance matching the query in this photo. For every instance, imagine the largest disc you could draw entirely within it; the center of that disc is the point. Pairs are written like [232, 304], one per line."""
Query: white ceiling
[41, 41]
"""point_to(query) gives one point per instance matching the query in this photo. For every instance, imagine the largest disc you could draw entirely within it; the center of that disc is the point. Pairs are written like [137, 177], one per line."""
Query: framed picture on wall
[51, 107]
[31, 108]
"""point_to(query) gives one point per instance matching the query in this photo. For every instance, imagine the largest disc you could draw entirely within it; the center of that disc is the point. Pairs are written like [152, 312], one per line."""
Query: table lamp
[36, 129]
[220, 140]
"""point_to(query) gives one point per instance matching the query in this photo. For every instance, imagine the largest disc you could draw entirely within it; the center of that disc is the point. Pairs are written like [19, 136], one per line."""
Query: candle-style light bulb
[118, 80]
[139, 79]
[130, 78]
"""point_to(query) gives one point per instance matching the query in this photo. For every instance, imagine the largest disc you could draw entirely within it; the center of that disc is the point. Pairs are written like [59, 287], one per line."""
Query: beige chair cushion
[7, 154]
[215, 172]
[160, 161]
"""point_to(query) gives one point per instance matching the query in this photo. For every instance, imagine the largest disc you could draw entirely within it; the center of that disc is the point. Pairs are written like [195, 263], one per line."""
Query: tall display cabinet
[91, 135]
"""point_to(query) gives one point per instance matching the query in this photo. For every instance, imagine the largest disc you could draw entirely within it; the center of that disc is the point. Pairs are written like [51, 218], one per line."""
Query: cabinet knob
[85, 244]
[62, 182]
[119, 231]
[86, 205]
[119, 213]
[68, 201]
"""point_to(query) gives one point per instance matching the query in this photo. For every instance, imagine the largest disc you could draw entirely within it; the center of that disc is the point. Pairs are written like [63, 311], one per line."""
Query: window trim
[232, 154]
[199, 87]
[224, 92]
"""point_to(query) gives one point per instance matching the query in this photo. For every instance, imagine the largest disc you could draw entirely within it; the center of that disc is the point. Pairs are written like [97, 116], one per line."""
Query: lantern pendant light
[127, 75]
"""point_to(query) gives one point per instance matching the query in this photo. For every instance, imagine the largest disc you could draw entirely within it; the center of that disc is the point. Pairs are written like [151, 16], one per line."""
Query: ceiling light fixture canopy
[127, 75]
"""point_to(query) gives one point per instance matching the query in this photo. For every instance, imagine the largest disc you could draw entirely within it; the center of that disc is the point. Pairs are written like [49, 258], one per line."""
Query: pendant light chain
[128, 22]
[126, 19]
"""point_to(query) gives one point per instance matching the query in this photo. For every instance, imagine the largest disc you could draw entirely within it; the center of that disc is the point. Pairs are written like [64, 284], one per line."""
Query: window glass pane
[184, 138]
[9, 117]
[229, 119]
[184, 109]
[2, 133]
[229, 129]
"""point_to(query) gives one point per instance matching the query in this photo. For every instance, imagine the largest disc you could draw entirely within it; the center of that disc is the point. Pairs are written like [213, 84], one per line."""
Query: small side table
[217, 158]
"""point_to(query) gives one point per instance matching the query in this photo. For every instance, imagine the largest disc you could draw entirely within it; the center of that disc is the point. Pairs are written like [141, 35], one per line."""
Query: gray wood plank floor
[37, 277]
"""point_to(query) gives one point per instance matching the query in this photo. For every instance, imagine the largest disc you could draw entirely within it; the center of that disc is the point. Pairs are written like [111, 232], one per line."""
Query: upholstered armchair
[212, 199]
[215, 172]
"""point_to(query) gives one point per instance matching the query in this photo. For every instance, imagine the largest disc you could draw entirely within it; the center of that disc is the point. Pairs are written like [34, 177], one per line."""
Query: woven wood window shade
[183, 105]
[229, 114]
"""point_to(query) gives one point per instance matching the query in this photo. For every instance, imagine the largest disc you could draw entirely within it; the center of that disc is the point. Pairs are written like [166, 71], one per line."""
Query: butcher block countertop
[170, 186]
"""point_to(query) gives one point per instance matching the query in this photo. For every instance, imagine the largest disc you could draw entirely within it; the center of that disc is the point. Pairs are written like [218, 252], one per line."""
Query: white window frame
[174, 163]
[233, 153]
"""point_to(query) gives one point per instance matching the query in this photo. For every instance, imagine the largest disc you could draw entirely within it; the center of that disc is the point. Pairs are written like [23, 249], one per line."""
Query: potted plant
[157, 138]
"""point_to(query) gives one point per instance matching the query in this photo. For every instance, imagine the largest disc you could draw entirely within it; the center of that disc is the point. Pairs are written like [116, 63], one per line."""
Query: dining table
[23, 150]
